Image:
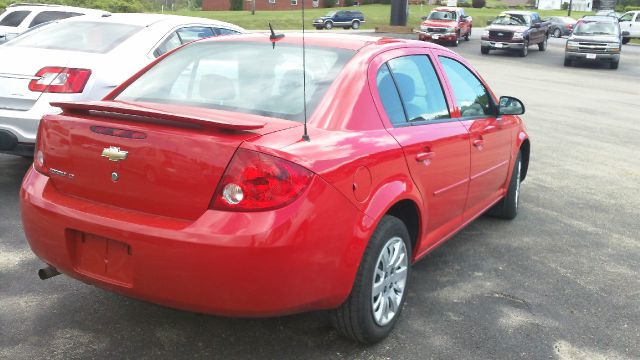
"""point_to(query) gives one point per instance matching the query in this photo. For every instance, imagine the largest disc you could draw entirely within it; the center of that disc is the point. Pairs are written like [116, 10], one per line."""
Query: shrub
[631, 8]
[478, 3]
[464, 5]
[235, 5]
[329, 3]
[565, 5]
[347, 3]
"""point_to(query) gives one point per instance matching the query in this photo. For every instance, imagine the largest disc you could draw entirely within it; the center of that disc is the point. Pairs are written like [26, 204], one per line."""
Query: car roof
[601, 18]
[49, 7]
[517, 12]
[145, 20]
[340, 41]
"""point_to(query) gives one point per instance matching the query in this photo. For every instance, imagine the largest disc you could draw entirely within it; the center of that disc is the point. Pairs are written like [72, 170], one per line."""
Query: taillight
[38, 153]
[570, 26]
[255, 181]
[54, 79]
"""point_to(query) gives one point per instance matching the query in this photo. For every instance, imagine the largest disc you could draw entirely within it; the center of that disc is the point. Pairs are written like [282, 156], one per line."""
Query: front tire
[543, 45]
[379, 290]
[507, 208]
[484, 50]
[328, 25]
[466, 37]
[625, 40]
[525, 48]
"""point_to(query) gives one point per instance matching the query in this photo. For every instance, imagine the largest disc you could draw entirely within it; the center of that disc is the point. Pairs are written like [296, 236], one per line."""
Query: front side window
[14, 19]
[627, 17]
[472, 97]
[83, 36]
[242, 77]
[419, 88]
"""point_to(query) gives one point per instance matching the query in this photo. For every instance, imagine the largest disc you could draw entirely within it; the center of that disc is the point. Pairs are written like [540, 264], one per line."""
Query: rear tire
[507, 208]
[355, 25]
[466, 37]
[557, 33]
[484, 50]
[359, 318]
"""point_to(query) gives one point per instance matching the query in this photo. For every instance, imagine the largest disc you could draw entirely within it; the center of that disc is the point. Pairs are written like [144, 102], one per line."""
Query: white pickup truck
[630, 21]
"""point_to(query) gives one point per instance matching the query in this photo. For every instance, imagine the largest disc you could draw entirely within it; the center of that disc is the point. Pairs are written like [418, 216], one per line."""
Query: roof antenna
[305, 136]
[274, 37]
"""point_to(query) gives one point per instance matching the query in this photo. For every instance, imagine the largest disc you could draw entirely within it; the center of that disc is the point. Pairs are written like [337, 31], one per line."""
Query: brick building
[261, 5]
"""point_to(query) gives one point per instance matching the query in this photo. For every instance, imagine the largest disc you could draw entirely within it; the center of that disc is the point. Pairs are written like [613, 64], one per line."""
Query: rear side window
[472, 97]
[419, 88]
[47, 16]
[389, 96]
[223, 31]
[83, 36]
[14, 19]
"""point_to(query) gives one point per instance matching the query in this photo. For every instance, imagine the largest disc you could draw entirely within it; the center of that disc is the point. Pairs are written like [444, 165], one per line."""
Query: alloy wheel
[389, 281]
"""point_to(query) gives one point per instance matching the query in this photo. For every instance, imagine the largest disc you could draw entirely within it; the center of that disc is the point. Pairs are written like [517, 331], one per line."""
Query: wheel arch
[525, 149]
[407, 211]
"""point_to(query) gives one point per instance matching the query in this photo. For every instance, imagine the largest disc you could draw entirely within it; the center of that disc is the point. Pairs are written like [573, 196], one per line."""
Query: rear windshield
[595, 28]
[245, 77]
[84, 36]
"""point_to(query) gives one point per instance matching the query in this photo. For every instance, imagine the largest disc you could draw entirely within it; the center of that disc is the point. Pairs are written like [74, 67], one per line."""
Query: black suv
[595, 38]
[345, 18]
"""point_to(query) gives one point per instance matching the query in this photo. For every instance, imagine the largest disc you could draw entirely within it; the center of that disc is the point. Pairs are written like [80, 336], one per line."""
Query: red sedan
[195, 184]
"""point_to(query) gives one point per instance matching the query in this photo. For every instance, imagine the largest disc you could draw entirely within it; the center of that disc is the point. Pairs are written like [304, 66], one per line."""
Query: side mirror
[626, 33]
[424, 18]
[489, 22]
[510, 106]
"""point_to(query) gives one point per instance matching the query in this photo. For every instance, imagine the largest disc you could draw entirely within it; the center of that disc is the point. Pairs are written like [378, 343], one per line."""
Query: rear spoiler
[203, 117]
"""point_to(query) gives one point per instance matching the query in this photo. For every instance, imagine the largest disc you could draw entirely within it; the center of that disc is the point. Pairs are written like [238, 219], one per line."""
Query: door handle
[478, 143]
[425, 157]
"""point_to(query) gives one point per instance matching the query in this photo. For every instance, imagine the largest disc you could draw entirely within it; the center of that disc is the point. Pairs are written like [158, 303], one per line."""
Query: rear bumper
[584, 56]
[294, 259]
[502, 45]
[425, 36]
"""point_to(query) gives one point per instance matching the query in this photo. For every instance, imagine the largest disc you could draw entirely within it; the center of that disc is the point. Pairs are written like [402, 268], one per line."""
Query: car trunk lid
[159, 159]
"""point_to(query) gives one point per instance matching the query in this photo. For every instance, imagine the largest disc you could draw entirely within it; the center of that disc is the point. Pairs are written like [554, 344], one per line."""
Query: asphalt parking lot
[560, 281]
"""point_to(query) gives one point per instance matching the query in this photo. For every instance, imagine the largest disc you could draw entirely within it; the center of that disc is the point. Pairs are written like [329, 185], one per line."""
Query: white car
[18, 18]
[630, 21]
[80, 59]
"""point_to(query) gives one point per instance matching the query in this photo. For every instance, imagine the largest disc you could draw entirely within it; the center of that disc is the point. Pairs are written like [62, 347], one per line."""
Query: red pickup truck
[445, 24]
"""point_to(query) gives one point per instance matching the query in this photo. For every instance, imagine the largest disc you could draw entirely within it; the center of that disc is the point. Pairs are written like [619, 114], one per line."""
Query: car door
[415, 110]
[635, 26]
[536, 33]
[490, 136]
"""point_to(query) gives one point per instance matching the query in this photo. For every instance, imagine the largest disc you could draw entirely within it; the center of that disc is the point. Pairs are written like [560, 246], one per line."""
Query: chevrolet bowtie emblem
[114, 153]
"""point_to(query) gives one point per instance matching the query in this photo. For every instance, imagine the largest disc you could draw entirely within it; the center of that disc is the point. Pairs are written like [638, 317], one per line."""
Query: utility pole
[253, 7]
[398, 13]
[569, 9]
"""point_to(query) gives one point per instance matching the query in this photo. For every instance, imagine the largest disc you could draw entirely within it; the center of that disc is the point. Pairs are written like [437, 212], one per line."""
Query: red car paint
[153, 234]
[462, 27]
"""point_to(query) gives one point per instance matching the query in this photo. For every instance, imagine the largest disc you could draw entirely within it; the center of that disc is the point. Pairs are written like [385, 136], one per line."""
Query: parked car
[516, 31]
[560, 26]
[250, 210]
[630, 22]
[595, 38]
[446, 24]
[343, 18]
[82, 58]
[18, 18]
